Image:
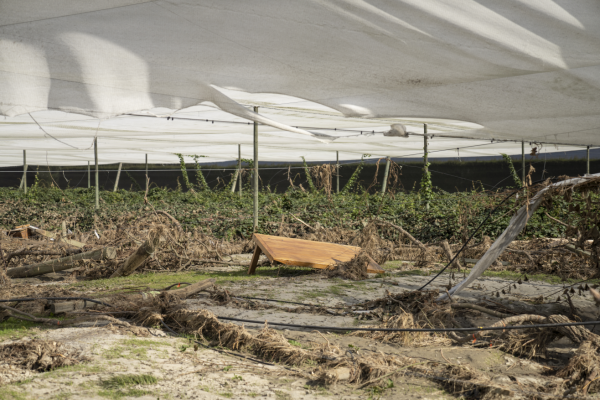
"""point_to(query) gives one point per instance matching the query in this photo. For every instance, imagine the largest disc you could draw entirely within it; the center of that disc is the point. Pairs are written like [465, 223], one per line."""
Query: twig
[387, 375]
[479, 308]
[302, 222]
[558, 221]
[405, 233]
[442, 353]
[170, 217]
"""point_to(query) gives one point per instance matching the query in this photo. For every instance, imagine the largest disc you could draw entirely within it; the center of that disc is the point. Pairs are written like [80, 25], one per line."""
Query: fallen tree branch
[559, 221]
[138, 298]
[405, 233]
[60, 264]
[450, 255]
[204, 261]
[522, 252]
[26, 252]
[481, 309]
[514, 320]
[170, 217]
[135, 260]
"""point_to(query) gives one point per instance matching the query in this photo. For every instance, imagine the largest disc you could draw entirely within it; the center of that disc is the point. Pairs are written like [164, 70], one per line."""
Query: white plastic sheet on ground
[515, 226]
[517, 69]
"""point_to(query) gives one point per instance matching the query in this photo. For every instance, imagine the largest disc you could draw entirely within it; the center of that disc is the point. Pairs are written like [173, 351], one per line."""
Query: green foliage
[311, 184]
[47, 207]
[426, 190]
[186, 179]
[513, 172]
[353, 181]
[202, 185]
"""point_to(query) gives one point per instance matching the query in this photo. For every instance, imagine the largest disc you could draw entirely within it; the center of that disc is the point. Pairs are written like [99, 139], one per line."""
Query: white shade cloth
[487, 69]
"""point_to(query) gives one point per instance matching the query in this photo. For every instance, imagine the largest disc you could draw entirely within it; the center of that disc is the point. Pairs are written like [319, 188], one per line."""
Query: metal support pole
[587, 169]
[89, 176]
[255, 225]
[146, 173]
[523, 161]
[24, 180]
[97, 177]
[117, 180]
[425, 156]
[337, 170]
[240, 168]
[385, 175]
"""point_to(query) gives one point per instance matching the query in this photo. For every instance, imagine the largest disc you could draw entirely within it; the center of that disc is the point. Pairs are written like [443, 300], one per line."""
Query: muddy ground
[113, 360]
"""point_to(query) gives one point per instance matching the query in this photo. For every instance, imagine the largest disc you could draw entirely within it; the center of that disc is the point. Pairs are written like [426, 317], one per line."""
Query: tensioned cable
[471, 237]
[350, 329]
[54, 298]
[353, 329]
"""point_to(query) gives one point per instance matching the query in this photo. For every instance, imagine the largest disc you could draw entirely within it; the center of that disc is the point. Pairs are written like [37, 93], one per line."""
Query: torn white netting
[515, 226]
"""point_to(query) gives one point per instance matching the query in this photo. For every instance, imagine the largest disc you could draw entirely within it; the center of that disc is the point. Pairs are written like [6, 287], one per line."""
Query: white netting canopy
[327, 75]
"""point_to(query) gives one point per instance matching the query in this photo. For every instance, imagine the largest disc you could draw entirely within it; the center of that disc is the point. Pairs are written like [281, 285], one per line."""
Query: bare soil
[185, 372]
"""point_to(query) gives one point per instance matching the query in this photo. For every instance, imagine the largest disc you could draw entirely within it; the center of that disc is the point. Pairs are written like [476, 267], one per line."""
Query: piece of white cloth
[517, 69]
[515, 226]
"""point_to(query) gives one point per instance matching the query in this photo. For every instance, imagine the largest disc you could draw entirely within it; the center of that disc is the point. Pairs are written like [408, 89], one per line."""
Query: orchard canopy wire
[321, 72]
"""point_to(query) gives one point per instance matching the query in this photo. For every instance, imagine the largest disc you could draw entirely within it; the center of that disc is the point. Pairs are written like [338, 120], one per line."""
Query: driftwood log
[135, 260]
[60, 264]
[139, 298]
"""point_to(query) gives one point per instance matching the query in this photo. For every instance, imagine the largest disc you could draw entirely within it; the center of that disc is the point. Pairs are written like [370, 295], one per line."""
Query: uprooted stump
[141, 254]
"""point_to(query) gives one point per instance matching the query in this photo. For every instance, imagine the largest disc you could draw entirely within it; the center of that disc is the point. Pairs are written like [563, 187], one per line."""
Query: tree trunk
[137, 259]
[60, 264]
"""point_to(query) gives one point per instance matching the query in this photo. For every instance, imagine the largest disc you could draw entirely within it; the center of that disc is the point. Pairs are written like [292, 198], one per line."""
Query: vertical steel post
[523, 161]
[89, 176]
[146, 173]
[587, 169]
[255, 225]
[337, 170]
[425, 157]
[117, 180]
[385, 175]
[24, 180]
[240, 168]
[97, 177]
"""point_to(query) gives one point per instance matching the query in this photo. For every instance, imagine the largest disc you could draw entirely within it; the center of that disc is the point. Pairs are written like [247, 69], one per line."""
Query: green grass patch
[120, 386]
[119, 394]
[6, 393]
[80, 369]
[162, 280]
[14, 328]
[120, 381]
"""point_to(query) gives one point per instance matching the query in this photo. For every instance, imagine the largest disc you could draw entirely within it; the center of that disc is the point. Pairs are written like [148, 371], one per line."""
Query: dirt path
[117, 358]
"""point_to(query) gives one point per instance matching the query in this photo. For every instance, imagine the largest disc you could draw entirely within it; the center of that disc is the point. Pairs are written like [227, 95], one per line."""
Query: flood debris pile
[20, 359]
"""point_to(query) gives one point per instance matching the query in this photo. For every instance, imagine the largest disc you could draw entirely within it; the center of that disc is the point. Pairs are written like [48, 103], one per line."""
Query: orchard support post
[24, 180]
[587, 168]
[97, 177]
[385, 175]
[255, 224]
[337, 171]
[117, 180]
